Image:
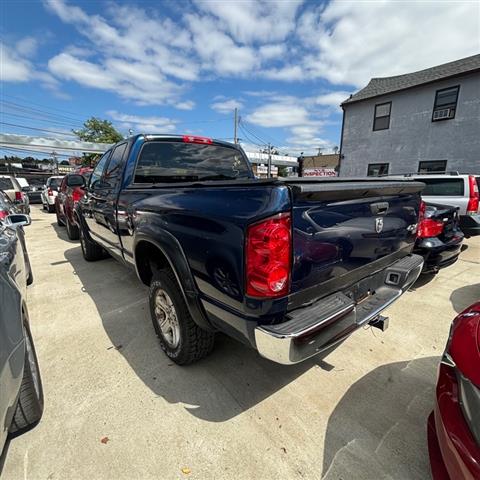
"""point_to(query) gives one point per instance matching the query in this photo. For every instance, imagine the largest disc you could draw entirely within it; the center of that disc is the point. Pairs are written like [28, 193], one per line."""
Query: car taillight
[427, 227]
[77, 195]
[19, 196]
[268, 251]
[3, 214]
[50, 192]
[195, 139]
[474, 200]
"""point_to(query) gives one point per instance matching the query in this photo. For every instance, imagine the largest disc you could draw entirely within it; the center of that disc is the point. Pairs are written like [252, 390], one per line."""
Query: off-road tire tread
[196, 342]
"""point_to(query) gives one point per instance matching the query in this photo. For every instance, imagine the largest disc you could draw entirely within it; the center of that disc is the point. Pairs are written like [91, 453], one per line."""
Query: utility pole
[269, 170]
[235, 124]
[54, 162]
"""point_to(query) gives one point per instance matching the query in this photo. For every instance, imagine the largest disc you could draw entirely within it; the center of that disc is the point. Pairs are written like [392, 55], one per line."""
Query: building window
[377, 169]
[381, 120]
[445, 104]
[432, 166]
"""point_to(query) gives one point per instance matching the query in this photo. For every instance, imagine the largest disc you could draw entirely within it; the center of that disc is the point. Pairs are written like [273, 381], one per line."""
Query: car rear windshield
[443, 187]
[6, 184]
[54, 182]
[184, 162]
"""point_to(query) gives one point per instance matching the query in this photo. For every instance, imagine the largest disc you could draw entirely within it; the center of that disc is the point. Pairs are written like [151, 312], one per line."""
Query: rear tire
[72, 230]
[30, 401]
[50, 208]
[60, 222]
[180, 337]
[91, 251]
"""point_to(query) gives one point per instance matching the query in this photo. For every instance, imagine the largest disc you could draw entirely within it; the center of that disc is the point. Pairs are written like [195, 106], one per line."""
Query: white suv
[50, 192]
[459, 190]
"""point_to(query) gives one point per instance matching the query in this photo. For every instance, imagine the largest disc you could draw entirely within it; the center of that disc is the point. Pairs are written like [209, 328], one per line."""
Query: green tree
[97, 131]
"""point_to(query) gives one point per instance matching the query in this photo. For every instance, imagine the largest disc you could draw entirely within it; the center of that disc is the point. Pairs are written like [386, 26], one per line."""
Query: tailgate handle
[380, 208]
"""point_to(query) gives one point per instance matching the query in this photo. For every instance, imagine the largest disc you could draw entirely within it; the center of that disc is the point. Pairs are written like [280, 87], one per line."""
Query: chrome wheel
[166, 318]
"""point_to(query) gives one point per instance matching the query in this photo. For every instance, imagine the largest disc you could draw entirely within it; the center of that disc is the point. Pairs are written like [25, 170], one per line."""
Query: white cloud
[282, 112]
[27, 46]
[350, 42]
[13, 68]
[185, 105]
[150, 124]
[253, 20]
[226, 106]
[332, 99]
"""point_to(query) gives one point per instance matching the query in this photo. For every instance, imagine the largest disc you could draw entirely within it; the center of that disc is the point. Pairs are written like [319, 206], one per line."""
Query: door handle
[379, 208]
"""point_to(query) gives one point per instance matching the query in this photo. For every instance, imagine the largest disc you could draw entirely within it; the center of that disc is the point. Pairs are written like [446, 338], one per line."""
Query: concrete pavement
[116, 407]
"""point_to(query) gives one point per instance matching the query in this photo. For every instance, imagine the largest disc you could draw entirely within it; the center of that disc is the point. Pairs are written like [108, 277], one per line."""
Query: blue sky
[184, 66]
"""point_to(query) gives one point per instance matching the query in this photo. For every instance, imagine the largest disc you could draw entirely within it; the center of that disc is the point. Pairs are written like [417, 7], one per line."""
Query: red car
[71, 190]
[454, 425]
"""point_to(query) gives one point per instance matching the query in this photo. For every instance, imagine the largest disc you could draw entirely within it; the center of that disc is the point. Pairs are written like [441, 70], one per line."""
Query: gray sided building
[426, 121]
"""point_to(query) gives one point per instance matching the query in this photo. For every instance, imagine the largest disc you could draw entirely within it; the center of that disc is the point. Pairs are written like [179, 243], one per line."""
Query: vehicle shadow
[61, 232]
[229, 381]
[422, 280]
[463, 297]
[379, 427]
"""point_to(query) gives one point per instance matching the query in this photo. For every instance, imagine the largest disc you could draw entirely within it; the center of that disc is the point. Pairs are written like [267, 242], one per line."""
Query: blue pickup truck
[289, 266]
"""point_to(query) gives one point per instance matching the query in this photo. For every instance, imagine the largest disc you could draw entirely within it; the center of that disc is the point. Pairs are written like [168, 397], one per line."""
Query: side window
[113, 172]
[63, 185]
[97, 172]
[381, 120]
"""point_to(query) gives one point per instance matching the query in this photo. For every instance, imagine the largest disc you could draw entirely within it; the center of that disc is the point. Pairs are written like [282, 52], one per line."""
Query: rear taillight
[50, 192]
[268, 251]
[473, 202]
[3, 214]
[77, 195]
[19, 196]
[427, 227]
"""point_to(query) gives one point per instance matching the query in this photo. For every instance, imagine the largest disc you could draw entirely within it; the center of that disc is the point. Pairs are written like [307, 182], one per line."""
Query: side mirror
[75, 181]
[18, 220]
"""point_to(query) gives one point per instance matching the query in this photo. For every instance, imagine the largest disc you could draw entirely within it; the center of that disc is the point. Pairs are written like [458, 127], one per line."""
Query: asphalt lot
[359, 413]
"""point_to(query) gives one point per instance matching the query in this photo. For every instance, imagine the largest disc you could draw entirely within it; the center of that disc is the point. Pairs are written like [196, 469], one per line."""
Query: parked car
[21, 394]
[439, 238]
[256, 259]
[7, 207]
[34, 191]
[454, 424]
[50, 192]
[70, 192]
[12, 188]
[460, 191]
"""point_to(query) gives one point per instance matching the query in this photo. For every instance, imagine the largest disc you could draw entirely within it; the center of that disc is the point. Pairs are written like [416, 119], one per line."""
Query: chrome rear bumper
[318, 327]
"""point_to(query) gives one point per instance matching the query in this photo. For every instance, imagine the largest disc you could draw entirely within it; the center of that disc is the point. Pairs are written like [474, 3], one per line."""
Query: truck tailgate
[346, 225]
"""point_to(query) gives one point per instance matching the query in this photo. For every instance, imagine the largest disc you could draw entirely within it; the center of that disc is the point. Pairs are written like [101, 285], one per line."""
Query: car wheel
[50, 208]
[91, 251]
[29, 408]
[72, 230]
[60, 222]
[180, 337]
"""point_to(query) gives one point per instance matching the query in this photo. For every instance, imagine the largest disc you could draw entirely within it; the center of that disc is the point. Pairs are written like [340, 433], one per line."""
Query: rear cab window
[443, 187]
[165, 162]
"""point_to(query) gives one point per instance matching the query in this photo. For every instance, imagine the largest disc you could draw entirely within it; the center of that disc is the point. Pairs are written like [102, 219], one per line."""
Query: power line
[38, 129]
[40, 120]
[34, 152]
[247, 136]
[44, 109]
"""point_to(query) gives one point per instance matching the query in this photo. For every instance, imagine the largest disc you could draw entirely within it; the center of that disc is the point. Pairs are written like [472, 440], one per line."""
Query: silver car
[458, 190]
[12, 188]
[21, 394]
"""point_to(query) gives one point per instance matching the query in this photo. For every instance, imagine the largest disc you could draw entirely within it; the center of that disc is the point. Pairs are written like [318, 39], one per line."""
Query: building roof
[384, 85]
